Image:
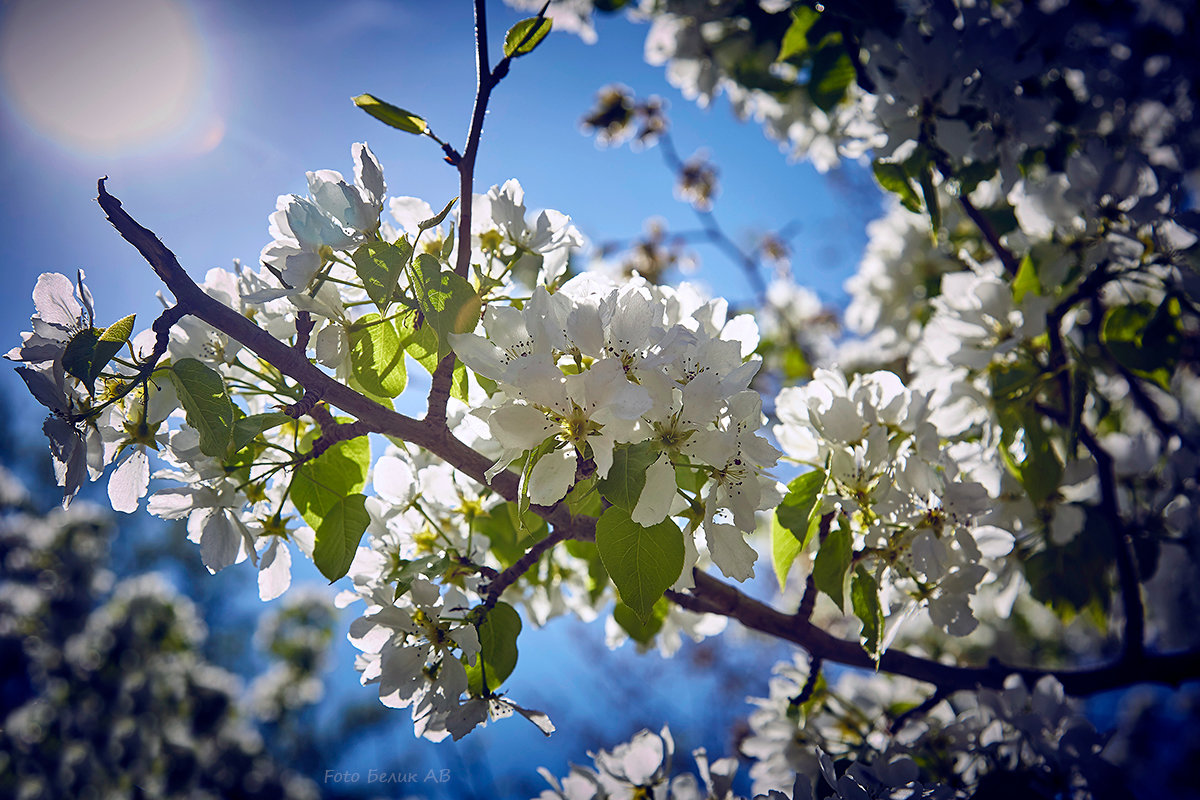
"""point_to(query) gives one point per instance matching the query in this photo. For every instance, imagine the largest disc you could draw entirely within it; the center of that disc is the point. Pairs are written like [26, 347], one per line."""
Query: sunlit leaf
[338, 535]
[206, 404]
[642, 562]
[391, 115]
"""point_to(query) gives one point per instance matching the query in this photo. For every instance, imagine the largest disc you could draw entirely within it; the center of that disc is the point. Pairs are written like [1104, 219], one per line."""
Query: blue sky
[268, 97]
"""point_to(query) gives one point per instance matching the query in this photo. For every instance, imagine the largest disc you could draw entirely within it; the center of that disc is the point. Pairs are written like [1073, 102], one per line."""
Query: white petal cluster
[914, 519]
[336, 216]
[595, 366]
[536, 251]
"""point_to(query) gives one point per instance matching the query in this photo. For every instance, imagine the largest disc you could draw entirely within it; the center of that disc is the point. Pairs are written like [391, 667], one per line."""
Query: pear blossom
[539, 249]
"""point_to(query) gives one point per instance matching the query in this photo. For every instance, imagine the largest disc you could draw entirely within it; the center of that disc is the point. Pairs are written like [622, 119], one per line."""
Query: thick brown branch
[713, 596]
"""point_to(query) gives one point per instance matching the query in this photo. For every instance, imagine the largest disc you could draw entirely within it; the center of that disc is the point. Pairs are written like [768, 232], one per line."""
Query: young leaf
[408, 570]
[459, 388]
[1026, 280]
[497, 649]
[109, 344]
[391, 115]
[526, 35]
[338, 535]
[893, 178]
[376, 357]
[785, 547]
[379, 266]
[320, 483]
[508, 537]
[1041, 471]
[448, 302]
[832, 73]
[247, 428]
[795, 522]
[1145, 338]
[800, 503]
[420, 343]
[206, 404]
[437, 218]
[864, 598]
[832, 563]
[627, 475]
[929, 192]
[795, 40]
[78, 355]
[643, 562]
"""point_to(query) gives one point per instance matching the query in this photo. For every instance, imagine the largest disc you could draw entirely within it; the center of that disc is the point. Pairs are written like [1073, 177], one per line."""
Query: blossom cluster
[596, 366]
[915, 521]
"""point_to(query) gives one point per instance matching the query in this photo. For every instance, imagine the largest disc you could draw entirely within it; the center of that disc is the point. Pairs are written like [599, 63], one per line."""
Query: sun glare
[108, 77]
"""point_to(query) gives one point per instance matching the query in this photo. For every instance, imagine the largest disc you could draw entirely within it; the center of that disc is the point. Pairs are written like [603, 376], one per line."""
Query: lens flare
[105, 77]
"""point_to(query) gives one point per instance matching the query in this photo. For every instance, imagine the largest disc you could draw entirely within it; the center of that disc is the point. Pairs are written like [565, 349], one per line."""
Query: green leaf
[1026, 280]
[1041, 469]
[584, 499]
[78, 355]
[206, 404]
[1014, 381]
[1071, 577]
[893, 178]
[447, 301]
[338, 535]
[795, 40]
[832, 73]
[379, 266]
[795, 522]
[437, 218]
[497, 657]
[785, 547]
[420, 343]
[864, 598]
[795, 364]
[459, 387]
[526, 35]
[597, 575]
[642, 632]
[247, 428]
[971, 175]
[320, 483]
[642, 562]
[800, 503]
[391, 115]
[1145, 338]
[510, 538]
[376, 357]
[109, 344]
[627, 475]
[832, 563]
[409, 570]
[929, 192]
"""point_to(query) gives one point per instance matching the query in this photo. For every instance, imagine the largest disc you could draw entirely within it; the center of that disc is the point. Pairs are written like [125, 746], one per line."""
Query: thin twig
[508, 577]
[712, 229]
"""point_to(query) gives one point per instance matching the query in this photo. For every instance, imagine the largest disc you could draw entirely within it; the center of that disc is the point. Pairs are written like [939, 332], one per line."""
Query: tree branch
[713, 596]
[709, 595]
